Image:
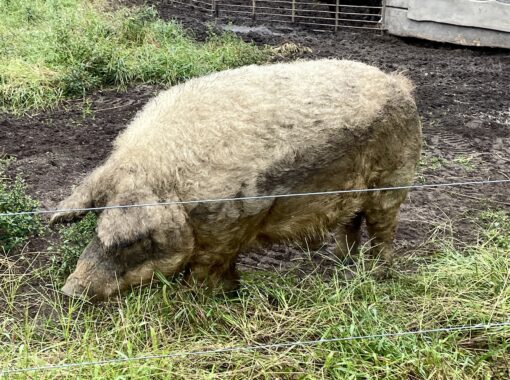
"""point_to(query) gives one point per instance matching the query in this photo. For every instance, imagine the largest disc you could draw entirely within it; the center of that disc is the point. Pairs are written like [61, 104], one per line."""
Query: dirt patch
[462, 96]
[55, 148]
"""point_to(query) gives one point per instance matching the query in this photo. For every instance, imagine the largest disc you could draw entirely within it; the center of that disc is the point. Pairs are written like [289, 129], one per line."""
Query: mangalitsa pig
[283, 128]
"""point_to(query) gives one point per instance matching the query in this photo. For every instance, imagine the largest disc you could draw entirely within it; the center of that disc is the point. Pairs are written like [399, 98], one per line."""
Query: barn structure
[464, 22]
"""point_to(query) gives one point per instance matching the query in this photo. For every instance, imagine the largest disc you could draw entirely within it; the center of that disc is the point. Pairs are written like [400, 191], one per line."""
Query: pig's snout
[94, 292]
[73, 288]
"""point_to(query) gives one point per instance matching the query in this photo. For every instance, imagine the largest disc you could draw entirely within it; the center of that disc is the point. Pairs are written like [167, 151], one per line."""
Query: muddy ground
[463, 96]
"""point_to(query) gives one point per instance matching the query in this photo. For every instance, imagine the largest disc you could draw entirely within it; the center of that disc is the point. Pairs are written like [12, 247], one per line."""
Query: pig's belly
[308, 216]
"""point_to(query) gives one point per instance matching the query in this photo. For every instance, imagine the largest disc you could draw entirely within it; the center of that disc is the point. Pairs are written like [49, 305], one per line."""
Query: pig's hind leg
[382, 217]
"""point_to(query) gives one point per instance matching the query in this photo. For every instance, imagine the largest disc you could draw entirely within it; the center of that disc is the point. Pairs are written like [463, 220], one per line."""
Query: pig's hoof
[60, 217]
[382, 272]
[378, 269]
[316, 244]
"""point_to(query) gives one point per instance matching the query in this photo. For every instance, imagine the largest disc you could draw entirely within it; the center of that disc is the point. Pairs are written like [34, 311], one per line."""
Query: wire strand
[254, 347]
[216, 200]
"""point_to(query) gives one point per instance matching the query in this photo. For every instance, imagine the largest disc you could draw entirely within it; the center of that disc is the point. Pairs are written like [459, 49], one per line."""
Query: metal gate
[323, 15]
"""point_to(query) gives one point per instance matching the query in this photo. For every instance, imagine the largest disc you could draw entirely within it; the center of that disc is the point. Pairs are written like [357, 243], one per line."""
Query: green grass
[432, 163]
[454, 286]
[465, 162]
[14, 231]
[53, 49]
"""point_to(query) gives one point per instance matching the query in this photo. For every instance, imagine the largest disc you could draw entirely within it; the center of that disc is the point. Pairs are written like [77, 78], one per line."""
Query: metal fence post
[337, 14]
[383, 16]
[293, 10]
[215, 8]
[253, 5]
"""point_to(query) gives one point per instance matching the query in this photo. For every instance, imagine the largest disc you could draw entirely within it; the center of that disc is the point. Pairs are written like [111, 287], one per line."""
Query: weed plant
[73, 240]
[15, 230]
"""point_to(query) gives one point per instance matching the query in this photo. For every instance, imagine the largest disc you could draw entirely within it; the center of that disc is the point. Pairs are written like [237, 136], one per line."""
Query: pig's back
[248, 127]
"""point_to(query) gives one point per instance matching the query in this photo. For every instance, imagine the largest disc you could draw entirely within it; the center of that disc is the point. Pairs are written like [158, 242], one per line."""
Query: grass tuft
[456, 286]
[53, 49]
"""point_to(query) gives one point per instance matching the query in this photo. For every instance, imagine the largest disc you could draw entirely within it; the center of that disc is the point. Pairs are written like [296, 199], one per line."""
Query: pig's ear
[118, 227]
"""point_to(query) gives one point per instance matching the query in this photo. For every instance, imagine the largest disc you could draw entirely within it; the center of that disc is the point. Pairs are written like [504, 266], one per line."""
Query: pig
[273, 129]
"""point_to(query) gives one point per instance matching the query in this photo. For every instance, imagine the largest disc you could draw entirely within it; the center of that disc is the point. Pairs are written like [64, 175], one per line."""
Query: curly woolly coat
[257, 130]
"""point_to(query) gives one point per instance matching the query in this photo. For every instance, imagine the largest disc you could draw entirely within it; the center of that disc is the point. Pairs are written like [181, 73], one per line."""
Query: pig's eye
[147, 244]
[135, 253]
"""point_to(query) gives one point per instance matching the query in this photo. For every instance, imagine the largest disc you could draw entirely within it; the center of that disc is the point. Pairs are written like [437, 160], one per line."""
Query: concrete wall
[464, 22]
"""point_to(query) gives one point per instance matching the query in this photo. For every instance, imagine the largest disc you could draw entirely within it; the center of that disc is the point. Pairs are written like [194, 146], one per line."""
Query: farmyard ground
[464, 100]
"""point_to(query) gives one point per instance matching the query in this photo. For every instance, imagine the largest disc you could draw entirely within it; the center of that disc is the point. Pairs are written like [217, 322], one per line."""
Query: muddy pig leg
[213, 274]
[382, 219]
[348, 237]
[315, 243]
[230, 280]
